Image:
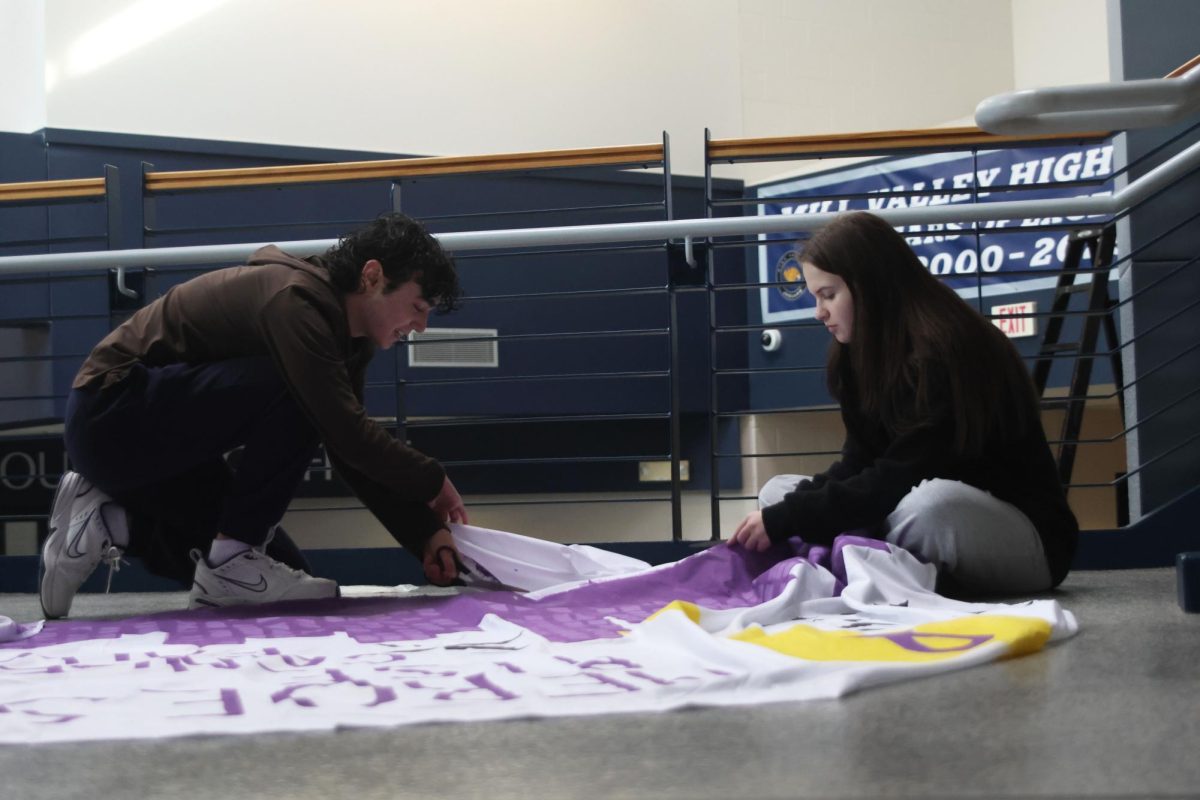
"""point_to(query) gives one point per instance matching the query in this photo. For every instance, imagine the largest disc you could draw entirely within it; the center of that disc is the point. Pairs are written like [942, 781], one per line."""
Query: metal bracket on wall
[686, 261]
[122, 287]
[126, 288]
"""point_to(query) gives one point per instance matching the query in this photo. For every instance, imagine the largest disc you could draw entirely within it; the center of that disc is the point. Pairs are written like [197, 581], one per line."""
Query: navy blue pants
[157, 442]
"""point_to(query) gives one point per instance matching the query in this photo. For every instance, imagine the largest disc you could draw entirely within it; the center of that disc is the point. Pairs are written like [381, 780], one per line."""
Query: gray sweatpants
[984, 545]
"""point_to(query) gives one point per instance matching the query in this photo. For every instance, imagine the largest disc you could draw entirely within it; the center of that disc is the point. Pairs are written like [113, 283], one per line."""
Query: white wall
[845, 66]
[1059, 42]
[433, 78]
[478, 76]
[22, 92]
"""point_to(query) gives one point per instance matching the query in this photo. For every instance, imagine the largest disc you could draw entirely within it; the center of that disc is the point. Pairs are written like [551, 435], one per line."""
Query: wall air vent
[454, 347]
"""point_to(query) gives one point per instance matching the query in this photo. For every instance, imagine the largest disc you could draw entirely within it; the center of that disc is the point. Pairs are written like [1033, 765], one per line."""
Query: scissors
[472, 573]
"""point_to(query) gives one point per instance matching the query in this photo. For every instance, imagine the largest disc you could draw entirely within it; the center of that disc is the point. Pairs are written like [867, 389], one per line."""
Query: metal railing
[398, 391]
[697, 239]
[51, 216]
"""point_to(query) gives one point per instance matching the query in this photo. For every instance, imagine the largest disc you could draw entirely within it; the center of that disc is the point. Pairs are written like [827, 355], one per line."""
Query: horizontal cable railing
[690, 229]
[410, 386]
[44, 216]
[50, 193]
[1136, 192]
[900, 143]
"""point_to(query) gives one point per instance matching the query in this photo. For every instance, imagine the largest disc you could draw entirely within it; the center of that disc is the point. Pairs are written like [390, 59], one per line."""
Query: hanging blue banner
[992, 258]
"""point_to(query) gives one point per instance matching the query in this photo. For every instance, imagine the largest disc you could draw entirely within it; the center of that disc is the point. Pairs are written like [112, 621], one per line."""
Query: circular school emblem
[787, 270]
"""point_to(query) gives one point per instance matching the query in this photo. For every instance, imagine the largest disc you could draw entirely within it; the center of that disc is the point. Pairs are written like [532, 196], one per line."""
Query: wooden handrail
[890, 141]
[648, 154]
[1183, 69]
[846, 143]
[52, 190]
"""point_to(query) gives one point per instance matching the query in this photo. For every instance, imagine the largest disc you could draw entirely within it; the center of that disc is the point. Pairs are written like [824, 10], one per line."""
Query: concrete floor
[1111, 713]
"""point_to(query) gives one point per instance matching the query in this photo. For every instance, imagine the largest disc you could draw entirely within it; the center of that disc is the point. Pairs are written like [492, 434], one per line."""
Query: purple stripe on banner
[717, 578]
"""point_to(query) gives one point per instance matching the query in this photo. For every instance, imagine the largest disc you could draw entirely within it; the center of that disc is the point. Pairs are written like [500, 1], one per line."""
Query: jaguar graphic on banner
[999, 257]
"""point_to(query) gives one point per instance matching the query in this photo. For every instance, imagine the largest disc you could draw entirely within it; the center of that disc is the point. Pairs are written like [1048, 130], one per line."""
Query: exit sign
[1016, 319]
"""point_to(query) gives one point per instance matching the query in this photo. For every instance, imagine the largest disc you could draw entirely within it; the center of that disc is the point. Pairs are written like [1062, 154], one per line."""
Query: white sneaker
[86, 527]
[252, 577]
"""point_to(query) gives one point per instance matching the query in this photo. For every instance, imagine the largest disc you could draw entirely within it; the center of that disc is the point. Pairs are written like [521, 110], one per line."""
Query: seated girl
[945, 455]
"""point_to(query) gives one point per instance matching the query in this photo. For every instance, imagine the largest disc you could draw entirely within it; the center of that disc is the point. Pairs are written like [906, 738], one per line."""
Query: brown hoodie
[285, 308]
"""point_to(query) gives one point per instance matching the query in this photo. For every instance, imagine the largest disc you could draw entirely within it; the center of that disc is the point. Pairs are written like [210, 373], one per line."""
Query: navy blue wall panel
[22, 159]
[24, 300]
[76, 154]
[1157, 37]
[82, 311]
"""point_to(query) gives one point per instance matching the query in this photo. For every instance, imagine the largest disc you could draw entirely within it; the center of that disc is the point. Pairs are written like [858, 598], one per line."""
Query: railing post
[710, 284]
[398, 394]
[673, 378]
[112, 206]
[122, 297]
[149, 212]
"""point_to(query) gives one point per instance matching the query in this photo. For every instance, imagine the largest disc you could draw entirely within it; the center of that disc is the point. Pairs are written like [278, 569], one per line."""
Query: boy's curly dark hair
[406, 251]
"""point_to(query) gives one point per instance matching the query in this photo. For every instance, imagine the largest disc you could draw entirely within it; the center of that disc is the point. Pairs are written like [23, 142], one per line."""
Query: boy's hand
[448, 504]
[440, 559]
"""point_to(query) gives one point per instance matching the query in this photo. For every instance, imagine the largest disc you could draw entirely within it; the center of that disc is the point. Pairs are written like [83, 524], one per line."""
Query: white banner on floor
[739, 630]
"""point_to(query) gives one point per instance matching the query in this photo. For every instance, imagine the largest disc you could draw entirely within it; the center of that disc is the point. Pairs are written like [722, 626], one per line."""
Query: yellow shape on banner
[931, 641]
[690, 610]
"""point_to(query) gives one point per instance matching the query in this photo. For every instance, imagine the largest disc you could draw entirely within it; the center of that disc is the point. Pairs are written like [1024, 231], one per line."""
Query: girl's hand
[751, 533]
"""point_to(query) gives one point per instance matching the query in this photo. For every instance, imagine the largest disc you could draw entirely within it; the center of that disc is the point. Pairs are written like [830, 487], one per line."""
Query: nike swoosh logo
[75, 533]
[260, 586]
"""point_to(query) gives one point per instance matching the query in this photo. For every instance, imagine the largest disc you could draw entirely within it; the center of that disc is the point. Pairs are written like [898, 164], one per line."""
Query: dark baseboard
[1153, 541]
[374, 566]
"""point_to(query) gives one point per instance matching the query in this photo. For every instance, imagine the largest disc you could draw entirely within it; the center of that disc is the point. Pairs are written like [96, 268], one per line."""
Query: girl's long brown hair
[917, 351]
